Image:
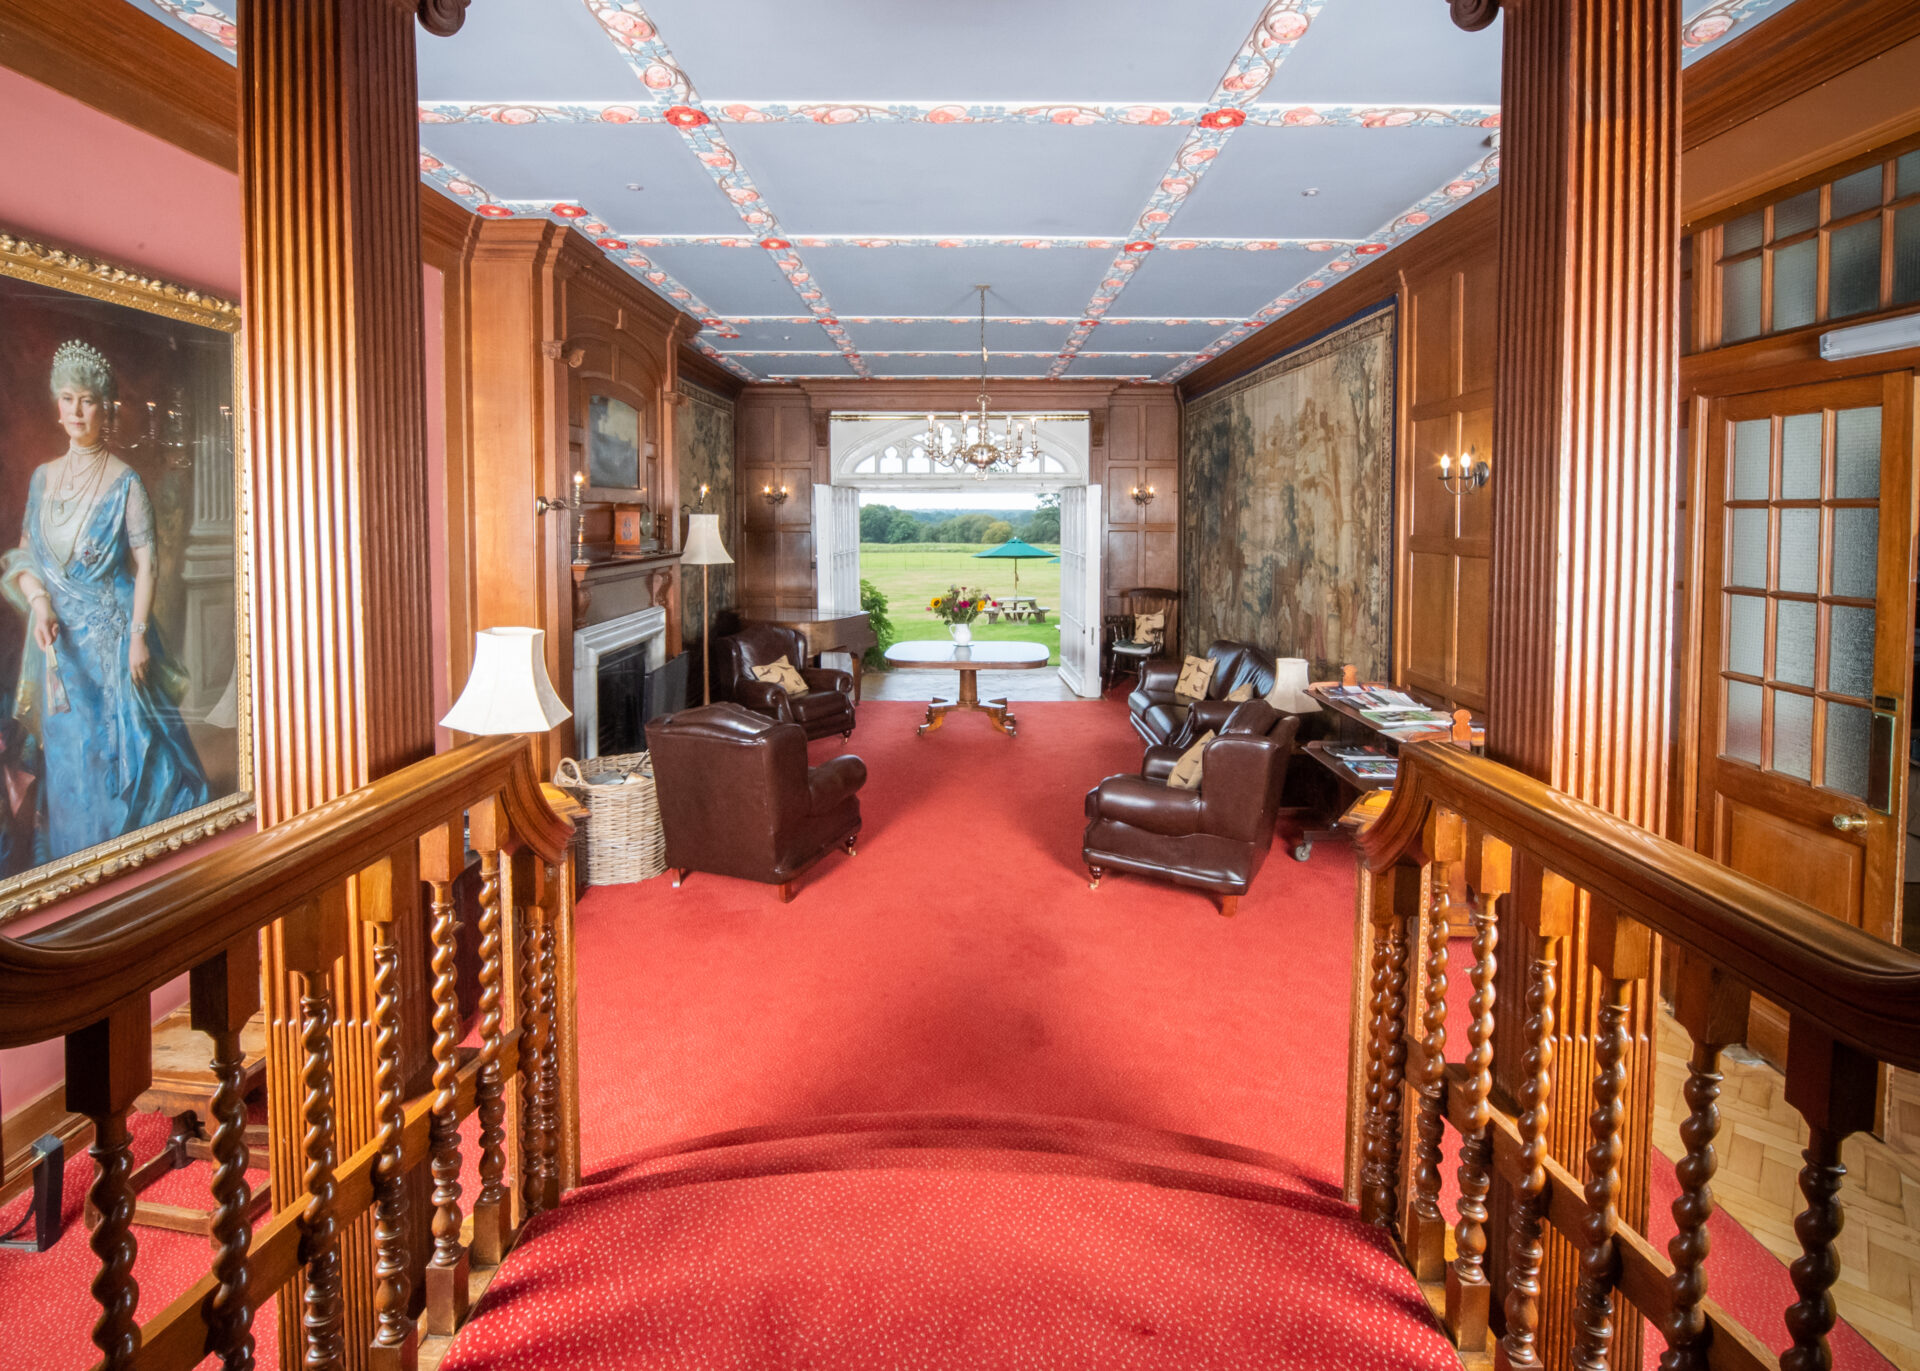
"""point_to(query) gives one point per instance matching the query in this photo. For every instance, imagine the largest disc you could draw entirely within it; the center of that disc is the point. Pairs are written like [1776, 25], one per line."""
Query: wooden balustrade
[327, 876]
[1534, 856]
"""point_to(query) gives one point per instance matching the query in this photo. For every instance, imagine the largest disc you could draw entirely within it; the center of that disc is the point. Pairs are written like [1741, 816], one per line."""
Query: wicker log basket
[621, 838]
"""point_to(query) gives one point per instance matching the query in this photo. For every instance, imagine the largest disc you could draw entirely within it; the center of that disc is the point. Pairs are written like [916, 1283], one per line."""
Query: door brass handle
[1849, 823]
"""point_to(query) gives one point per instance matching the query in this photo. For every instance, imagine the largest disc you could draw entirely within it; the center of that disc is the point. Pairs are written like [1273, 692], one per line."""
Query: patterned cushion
[1195, 674]
[1149, 628]
[1186, 772]
[1240, 694]
[784, 674]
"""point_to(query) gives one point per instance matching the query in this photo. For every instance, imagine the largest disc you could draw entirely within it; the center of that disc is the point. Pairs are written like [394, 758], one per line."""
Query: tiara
[84, 353]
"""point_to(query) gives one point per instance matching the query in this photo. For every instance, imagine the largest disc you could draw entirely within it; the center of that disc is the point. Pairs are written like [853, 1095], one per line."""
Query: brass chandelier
[969, 443]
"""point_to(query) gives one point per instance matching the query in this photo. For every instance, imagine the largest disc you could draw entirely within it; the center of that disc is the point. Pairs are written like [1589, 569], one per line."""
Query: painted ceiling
[823, 182]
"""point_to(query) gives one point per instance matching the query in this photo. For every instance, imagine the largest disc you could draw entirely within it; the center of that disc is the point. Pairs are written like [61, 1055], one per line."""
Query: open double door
[1807, 640]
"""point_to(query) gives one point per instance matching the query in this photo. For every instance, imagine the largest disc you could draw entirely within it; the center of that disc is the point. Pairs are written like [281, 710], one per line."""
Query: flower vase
[962, 633]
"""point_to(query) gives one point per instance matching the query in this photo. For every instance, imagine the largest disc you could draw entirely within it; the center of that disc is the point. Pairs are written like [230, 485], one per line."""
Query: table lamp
[704, 549]
[508, 690]
[1290, 687]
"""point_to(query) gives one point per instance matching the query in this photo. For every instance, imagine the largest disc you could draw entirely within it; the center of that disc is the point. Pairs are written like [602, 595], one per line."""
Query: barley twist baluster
[1599, 1261]
[532, 1184]
[549, 1067]
[1834, 1087]
[394, 1334]
[225, 992]
[1520, 1345]
[1375, 1172]
[230, 1319]
[1469, 1296]
[1427, 1240]
[1713, 1010]
[324, 1310]
[109, 1063]
[489, 1217]
[116, 1333]
[441, 849]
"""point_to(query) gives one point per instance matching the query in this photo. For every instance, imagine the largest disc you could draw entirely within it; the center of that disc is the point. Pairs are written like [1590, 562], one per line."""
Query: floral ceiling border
[523, 112]
[672, 99]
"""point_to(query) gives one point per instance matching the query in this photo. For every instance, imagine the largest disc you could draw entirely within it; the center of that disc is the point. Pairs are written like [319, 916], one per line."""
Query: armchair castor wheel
[1302, 851]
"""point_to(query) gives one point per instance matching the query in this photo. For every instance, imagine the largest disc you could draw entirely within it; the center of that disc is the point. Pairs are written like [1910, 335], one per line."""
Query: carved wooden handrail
[1863, 991]
[1527, 853]
[350, 870]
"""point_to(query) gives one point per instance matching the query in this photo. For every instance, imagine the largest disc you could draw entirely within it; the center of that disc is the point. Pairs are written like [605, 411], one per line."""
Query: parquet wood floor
[1761, 1138]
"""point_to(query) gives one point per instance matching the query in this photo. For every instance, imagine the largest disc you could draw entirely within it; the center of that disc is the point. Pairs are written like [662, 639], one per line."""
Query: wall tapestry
[1287, 505]
[703, 437]
[124, 727]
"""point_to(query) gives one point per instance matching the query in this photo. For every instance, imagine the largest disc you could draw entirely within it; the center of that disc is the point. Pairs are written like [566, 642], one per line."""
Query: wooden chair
[1128, 653]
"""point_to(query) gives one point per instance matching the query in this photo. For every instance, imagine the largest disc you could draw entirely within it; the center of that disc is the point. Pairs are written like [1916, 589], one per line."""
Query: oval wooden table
[969, 659]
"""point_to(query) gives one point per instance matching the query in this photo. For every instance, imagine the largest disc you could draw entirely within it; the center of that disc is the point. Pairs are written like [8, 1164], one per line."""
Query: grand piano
[826, 628]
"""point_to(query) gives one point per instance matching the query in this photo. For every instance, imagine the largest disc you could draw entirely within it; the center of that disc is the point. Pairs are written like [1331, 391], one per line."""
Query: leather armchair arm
[1234, 788]
[826, 678]
[1148, 805]
[833, 781]
[1207, 716]
[1158, 763]
[764, 696]
[1158, 677]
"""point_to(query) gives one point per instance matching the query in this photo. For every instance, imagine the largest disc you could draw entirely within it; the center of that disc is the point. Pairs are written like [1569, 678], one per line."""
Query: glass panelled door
[1807, 647]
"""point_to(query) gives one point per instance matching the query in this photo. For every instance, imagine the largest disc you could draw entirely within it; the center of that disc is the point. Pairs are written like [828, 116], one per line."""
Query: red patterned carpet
[912, 1052]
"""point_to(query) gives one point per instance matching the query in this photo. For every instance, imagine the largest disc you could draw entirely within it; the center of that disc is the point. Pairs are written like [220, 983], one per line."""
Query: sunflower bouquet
[959, 605]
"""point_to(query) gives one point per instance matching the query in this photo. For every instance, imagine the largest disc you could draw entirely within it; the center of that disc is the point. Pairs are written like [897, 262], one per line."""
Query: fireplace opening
[630, 695]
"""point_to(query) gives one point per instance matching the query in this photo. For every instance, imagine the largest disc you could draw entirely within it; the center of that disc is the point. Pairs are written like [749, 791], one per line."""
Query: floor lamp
[704, 549]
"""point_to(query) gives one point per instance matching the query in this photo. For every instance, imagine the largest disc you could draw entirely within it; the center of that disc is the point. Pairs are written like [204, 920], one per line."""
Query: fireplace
[621, 678]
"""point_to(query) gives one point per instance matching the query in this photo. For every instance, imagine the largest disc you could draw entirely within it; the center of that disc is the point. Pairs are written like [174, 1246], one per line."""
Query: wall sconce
[1142, 495]
[560, 350]
[1471, 473]
[701, 506]
[772, 496]
[544, 504]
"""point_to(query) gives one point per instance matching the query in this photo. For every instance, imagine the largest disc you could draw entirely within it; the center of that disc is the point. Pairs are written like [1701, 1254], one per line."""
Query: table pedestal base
[999, 713]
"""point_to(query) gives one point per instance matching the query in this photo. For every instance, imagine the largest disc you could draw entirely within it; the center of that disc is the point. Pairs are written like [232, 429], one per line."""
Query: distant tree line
[885, 524]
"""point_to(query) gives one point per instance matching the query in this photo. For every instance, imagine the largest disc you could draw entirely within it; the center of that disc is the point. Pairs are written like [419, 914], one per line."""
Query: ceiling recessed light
[1311, 190]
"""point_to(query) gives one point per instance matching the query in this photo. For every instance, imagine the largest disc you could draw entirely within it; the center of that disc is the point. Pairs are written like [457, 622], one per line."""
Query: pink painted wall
[77, 179]
[72, 177]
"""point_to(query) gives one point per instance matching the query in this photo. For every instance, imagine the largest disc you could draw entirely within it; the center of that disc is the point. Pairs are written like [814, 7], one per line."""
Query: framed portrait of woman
[124, 728]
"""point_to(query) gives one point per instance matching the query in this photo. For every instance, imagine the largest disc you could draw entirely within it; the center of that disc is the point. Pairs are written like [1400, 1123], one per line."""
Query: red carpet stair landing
[950, 1108]
[894, 1241]
[894, 1083]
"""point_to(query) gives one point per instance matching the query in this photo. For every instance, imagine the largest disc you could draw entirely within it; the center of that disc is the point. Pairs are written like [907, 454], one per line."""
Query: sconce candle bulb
[1472, 472]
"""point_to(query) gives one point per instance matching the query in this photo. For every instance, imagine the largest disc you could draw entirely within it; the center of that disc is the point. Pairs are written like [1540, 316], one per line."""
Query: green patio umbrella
[1017, 550]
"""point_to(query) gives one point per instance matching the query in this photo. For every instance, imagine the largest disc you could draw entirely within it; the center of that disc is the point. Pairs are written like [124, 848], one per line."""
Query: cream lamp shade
[704, 547]
[508, 690]
[1290, 687]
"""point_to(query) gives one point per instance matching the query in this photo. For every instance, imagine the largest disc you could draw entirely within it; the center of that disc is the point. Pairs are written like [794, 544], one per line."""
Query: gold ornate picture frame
[125, 703]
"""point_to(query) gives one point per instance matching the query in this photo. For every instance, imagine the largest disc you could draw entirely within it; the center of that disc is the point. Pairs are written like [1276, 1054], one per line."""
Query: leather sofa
[1160, 719]
[826, 708]
[737, 797]
[1215, 838]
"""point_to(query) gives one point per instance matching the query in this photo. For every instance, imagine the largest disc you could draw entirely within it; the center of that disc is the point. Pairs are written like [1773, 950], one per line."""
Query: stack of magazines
[1368, 763]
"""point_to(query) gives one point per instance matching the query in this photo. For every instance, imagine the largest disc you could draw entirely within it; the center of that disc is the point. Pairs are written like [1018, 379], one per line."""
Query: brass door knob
[1849, 823]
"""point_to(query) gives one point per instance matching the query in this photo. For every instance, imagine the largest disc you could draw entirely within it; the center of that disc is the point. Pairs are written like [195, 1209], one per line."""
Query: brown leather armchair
[826, 708]
[1214, 838]
[737, 797]
[1159, 718]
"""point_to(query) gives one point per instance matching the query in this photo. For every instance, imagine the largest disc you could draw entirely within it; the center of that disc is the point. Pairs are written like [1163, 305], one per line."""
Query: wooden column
[1583, 491]
[338, 497]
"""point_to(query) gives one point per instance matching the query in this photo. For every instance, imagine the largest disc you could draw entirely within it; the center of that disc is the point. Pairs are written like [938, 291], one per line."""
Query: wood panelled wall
[1444, 285]
[1444, 562]
[782, 437]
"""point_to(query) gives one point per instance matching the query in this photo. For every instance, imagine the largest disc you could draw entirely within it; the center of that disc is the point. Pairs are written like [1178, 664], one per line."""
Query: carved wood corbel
[442, 18]
[557, 349]
[822, 427]
[1473, 15]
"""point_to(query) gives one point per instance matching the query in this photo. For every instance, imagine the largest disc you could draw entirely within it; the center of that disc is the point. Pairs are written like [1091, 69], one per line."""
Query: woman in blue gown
[96, 683]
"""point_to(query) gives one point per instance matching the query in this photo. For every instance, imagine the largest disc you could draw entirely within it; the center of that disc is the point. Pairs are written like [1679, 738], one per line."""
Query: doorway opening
[900, 530]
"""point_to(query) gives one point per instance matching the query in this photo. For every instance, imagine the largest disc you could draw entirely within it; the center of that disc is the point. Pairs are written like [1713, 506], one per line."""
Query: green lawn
[910, 574]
